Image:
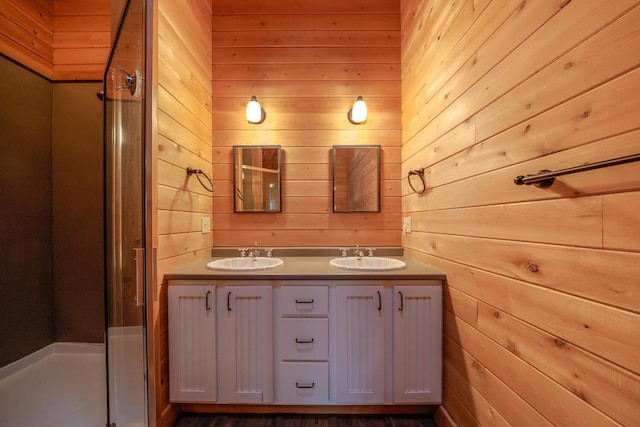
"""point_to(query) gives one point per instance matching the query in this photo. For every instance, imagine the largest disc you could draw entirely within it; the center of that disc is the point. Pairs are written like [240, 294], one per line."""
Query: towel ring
[211, 188]
[416, 180]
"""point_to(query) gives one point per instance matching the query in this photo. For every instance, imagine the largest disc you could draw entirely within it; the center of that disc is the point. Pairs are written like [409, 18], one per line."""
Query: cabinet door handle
[379, 301]
[401, 301]
[299, 385]
[229, 301]
[304, 301]
[304, 341]
[206, 301]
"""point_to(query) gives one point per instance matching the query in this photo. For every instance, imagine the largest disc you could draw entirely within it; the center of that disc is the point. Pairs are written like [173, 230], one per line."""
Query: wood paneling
[59, 39]
[183, 139]
[621, 221]
[82, 39]
[541, 283]
[295, 7]
[26, 34]
[306, 62]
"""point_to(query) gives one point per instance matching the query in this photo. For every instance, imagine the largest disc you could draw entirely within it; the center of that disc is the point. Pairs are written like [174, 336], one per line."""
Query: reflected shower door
[125, 223]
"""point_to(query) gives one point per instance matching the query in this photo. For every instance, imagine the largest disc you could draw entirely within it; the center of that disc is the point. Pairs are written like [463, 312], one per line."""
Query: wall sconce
[358, 113]
[255, 113]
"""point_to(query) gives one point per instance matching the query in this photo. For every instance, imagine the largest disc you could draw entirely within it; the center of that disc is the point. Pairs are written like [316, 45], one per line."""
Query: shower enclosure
[126, 209]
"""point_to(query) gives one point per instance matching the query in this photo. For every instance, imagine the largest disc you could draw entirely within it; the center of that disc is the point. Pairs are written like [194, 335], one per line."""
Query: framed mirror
[356, 178]
[256, 178]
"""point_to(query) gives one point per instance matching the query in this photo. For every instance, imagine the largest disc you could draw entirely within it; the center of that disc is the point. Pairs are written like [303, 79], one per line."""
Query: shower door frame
[147, 252]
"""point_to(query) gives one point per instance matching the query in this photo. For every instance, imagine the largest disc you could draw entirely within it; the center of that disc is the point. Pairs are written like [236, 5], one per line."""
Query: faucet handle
[243, 252]
[371, 251]
[343, 252]
[269, 252]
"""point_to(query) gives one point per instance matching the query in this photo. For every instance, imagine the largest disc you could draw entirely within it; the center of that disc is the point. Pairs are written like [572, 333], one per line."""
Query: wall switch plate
[206, 224]
[406, 224]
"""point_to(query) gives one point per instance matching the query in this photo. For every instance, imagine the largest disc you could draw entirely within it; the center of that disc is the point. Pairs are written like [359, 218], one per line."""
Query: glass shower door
[125, 223]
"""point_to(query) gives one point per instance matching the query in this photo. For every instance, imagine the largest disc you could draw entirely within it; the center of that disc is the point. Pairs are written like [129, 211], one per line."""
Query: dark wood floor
[296, 420]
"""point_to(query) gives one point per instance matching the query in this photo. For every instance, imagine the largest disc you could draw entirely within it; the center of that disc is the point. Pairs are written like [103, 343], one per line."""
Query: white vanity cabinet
[306, 342]
[417, 344]
[360, 337]
[302, 345]
[245, 344]
[413, 330]
[192, 343]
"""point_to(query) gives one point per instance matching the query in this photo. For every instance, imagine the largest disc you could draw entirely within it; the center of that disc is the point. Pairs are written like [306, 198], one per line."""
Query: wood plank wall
[184, 130]
[26, 34]
[306, 62]
[542, 311]
[183, 139]
[59, 39]
[81, 39]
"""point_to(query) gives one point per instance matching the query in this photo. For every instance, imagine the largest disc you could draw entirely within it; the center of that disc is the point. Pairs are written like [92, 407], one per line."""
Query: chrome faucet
[255, 253]
[357, 252]
[370, 250]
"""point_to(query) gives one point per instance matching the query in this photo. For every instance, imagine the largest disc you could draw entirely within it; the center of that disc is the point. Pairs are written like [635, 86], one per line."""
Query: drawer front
[303, 383]
[303, 338]
[305, 300]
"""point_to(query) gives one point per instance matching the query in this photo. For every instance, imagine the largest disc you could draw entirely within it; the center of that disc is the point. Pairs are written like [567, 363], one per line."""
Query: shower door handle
[138, 256]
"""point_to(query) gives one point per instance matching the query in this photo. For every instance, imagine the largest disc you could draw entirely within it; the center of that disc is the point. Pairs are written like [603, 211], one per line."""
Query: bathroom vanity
[306, 333]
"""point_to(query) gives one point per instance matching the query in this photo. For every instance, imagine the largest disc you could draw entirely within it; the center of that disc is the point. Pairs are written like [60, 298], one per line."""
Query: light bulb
[359, 111]
[254, 111]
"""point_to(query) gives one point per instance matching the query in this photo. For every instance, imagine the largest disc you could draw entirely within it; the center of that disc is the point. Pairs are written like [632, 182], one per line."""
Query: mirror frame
[237, 150]
[335, 153]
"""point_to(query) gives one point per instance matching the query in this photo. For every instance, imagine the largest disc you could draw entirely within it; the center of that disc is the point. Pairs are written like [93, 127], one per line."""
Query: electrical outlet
[406, 224]
[206, 224]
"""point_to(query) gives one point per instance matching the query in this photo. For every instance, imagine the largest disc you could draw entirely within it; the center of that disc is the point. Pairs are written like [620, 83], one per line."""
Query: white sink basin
[245, 263]
[368, 263]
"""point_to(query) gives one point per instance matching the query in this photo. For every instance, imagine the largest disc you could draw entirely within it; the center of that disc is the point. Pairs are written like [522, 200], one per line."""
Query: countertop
[312, 265]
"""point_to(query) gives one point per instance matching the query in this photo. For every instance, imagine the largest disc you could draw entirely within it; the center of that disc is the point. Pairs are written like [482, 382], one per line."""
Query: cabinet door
[417, 344]
[192, 328]
[360, 344]
[245, 348]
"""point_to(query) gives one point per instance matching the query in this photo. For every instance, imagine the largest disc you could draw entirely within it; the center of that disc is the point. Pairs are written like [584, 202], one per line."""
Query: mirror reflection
[256, 178]
[356, 178]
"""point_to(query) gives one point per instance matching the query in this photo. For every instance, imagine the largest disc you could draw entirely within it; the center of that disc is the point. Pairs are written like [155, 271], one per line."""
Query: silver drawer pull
[302, 301]
[304, 341]
[312, 385]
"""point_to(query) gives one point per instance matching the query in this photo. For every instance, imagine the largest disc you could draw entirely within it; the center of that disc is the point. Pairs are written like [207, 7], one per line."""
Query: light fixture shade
[359, 111]
[254, 111]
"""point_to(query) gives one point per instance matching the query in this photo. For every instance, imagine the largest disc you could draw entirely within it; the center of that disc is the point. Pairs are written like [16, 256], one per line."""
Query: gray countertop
[312, 265]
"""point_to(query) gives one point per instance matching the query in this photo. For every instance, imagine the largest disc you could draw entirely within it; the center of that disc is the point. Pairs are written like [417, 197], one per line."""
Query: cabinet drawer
[303, 339]
[305, 300]
[303, 383]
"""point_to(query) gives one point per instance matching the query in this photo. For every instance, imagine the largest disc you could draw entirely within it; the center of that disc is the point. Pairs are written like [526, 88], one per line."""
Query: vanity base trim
[217, 408]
